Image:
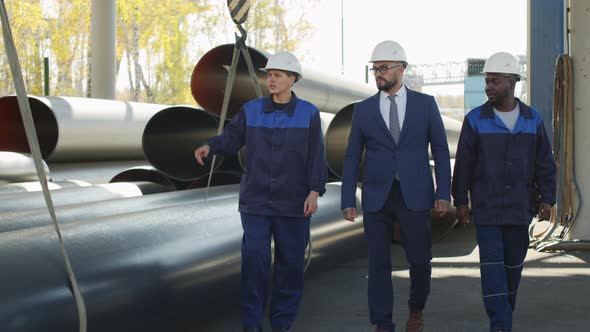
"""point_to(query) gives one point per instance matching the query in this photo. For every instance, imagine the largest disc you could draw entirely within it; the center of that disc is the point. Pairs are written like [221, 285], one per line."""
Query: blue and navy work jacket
[285, 157]
[507, 173]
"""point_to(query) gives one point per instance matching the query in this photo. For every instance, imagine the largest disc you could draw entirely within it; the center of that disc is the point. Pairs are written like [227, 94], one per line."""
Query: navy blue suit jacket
[422, 127]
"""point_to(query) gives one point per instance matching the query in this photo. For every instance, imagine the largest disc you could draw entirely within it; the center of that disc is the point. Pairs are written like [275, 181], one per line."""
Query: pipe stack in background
[81, 139]
[78, 129]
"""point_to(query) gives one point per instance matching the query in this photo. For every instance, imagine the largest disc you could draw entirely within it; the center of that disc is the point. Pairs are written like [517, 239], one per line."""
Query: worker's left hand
[544, 211]
[311, 203]
[442, 207]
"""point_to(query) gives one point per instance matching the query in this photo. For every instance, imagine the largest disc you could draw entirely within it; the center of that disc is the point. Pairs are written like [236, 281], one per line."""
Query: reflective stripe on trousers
[502, 250]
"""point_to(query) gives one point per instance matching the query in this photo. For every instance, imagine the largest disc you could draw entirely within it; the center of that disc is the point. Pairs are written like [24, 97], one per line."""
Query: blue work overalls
[505, 174]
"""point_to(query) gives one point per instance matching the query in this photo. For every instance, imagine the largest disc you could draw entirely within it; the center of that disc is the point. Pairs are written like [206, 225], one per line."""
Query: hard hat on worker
[284, 61]
[388, 50]
[502, 63]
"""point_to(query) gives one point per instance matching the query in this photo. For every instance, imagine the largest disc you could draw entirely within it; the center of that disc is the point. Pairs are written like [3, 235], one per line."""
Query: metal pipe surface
[336, 138]
[329, 93]
[77, 129]
[95, 172]
[18, 167]
[219, 178]
[11, 221]
[32, 186]
[33, 200]
[171, 136]
[160, 270]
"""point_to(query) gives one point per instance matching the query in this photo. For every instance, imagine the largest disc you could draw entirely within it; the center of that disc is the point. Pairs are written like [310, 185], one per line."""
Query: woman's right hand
[202, 152]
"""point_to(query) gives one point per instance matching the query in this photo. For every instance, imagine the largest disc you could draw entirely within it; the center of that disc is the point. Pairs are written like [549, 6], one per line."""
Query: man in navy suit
[395, 128]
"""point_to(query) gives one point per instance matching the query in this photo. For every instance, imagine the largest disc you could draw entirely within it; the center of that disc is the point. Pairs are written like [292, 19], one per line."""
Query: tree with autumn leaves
[158, 42]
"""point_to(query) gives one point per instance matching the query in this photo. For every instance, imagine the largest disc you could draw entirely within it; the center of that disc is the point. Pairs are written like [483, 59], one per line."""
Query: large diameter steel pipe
[33, 200]
[168, 269]
[12, 221]
[18, 167]
[329, 93]
[218, 178]
[148, 174]
[336, 139]
[171, 136]
[77, 129]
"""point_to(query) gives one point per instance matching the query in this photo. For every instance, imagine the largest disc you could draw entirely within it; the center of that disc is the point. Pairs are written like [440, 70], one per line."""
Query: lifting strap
[239, 47]
[25, 110]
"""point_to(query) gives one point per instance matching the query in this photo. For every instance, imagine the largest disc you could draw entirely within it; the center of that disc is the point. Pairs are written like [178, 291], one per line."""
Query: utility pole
[342, 36]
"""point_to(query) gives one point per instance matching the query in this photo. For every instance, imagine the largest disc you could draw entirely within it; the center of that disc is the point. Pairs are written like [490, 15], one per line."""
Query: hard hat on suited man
[388, 50]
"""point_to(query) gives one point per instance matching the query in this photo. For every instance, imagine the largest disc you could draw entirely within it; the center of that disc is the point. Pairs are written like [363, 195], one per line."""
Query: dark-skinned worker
[505, 173]
[284, 175]
[395, 128]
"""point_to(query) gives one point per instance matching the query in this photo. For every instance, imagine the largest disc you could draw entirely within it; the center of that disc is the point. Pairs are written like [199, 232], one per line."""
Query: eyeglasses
[383, 68]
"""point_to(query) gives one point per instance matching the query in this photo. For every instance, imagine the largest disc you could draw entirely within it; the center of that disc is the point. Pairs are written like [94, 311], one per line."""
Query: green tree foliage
[68, 32]
[155, 36]
[29, 31]
[279, 25]
[158, 42]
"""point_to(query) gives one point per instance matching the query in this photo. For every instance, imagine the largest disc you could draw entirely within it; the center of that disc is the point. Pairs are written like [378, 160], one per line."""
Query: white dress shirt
[401, 101]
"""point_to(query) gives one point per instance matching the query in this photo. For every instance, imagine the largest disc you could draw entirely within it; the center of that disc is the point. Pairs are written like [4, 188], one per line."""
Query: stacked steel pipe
[154, 270]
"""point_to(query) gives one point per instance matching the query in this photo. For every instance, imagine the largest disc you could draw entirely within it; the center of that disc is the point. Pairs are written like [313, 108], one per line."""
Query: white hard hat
[501, 63]
[388, 51]
[285, 61]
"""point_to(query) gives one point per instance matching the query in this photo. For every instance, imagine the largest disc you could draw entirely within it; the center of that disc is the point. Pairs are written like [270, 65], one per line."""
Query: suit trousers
[416, 238]
[291, 236]
[502, 250]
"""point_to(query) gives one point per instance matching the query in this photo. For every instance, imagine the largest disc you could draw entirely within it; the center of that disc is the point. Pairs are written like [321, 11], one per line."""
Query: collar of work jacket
[487, 110]
[268, 108]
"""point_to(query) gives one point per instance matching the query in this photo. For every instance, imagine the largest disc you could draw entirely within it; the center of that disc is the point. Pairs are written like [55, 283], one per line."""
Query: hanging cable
[569, 198]
[25, 110]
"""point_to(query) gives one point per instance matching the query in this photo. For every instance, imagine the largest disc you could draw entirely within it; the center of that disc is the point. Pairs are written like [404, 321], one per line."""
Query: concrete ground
[554, 293]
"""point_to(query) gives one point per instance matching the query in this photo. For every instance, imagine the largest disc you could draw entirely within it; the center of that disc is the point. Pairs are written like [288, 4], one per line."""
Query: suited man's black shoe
[280, 330]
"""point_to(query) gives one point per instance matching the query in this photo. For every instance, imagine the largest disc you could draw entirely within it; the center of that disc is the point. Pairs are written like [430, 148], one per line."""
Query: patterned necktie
[394, 128]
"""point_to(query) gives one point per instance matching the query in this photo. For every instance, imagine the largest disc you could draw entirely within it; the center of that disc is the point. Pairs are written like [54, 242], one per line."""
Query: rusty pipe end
[12, 130]
[209, 78]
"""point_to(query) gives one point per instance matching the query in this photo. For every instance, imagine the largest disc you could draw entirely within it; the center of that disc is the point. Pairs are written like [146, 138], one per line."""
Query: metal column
[545, 36]
[579, 26]
[103, 43]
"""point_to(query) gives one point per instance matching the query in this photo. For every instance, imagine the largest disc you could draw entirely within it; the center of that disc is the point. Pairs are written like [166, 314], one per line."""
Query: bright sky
[430, 31]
